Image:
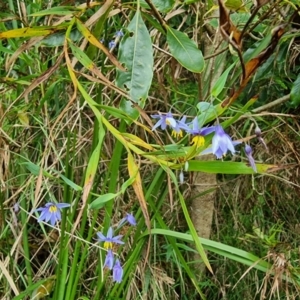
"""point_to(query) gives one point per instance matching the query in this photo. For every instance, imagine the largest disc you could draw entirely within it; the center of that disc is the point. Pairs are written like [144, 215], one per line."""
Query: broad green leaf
[206, 110]
[220, 83]
[163, 6]
[136, 55]
[185, 51]
[58, 39]
[295, 92]
[235, 5]
[101, 200]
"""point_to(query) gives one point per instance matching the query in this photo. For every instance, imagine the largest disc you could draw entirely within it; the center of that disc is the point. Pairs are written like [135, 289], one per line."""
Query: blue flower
[221, 143]
[117, 272]
[129, 218]
[164, 121]
[119, 33]
[248, 151]
[199, 133]
[51, 212]
[109, 239]
[109, 259]
[111, 44]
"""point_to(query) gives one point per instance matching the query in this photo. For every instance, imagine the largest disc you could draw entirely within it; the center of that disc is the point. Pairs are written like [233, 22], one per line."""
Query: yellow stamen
[198, 141]
[177, 134]
[108, 245]
[52, 209]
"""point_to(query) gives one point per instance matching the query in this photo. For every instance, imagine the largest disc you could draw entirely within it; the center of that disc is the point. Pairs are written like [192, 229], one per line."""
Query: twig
[157, 14]
[271, 104]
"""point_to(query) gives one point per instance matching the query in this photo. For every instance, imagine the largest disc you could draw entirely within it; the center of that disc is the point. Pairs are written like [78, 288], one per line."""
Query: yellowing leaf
[236, 5]
[31, 31]
[43, 290]
[93, 40]
[23, 118]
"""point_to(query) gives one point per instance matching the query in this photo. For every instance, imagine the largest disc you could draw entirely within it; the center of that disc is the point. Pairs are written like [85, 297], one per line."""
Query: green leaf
[185, 51]
[70, 183]
[220, 83]
[295, 92]
[163, 6]
[58, 38]
[101, 200]
[35, 169]
[227, 167]
[136, 55]
[206, 109]
[233, 253]
[128, 182]
[60, 10]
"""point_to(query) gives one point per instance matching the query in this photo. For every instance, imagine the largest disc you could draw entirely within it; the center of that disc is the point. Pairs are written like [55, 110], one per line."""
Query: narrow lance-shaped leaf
[185, 51]
[31, 31]
[136, 54]
[94, 41]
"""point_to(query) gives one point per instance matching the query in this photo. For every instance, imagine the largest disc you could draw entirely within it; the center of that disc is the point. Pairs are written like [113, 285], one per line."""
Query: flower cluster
[51, 212]
[109, 240]
[113, 43]
[221, 141]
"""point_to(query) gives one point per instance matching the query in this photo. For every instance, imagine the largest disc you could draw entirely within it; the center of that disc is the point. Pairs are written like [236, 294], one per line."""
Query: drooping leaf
[295, 92]
[228, 29]
[136, 55]
[185, 51]
[252, 65]
[94, 41]
[133, 171]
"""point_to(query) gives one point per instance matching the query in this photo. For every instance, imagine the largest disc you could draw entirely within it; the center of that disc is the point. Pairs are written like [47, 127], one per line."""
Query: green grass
[66, 137]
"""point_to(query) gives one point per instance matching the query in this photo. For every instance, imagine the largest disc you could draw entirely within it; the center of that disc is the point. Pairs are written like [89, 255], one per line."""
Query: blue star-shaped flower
[199, 133]
[51, 212]
[164, 121]
[109, 239]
